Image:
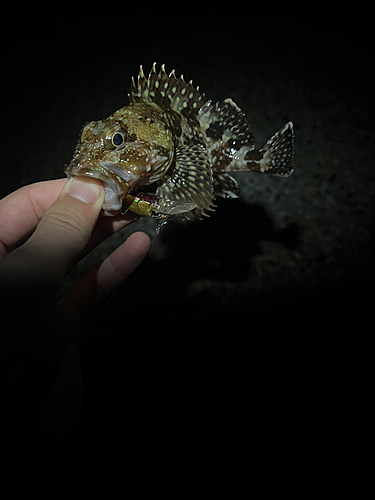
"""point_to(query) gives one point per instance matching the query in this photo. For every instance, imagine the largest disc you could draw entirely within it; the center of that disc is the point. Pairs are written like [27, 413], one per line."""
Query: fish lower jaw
[115, 187]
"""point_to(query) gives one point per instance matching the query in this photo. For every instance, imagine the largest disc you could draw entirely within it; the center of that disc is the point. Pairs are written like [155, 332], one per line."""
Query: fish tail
[276, 157]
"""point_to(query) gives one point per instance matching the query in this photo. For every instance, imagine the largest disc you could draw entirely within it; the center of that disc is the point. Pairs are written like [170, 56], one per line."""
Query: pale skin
[64, 219]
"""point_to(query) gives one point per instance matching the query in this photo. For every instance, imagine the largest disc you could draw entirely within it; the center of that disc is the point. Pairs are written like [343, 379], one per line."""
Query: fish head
[125, 151]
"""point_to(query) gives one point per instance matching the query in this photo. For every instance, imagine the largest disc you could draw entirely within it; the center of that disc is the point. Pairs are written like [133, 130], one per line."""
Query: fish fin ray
[226, 126]
[274, 158]
[226, 186]
[167, 92]
[278, 153]
[190, 180]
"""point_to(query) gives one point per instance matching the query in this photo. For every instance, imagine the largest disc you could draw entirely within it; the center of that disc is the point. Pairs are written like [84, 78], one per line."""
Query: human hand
[46, 327]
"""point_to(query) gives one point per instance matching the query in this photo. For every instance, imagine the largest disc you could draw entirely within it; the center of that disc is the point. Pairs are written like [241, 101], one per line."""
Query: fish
[171, 150]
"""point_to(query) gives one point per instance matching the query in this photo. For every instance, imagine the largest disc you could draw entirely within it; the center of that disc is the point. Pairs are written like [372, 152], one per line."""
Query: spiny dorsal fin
[167, 91]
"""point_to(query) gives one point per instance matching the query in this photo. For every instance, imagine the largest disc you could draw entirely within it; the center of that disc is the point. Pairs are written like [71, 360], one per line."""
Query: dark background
[250, 318]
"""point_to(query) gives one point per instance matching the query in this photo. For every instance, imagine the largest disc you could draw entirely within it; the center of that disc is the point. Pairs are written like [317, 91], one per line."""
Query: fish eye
[118, 138]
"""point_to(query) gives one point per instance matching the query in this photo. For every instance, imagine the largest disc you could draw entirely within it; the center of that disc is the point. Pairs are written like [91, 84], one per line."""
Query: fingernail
[85, 189]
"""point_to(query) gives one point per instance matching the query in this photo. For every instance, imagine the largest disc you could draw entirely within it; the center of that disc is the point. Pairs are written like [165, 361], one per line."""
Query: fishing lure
[171, 151]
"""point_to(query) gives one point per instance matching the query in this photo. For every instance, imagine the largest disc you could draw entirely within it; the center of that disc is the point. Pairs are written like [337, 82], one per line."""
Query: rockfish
[171, 151]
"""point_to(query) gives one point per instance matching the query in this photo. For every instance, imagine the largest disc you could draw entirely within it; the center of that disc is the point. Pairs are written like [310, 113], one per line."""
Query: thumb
[66, 227]
[36, 270]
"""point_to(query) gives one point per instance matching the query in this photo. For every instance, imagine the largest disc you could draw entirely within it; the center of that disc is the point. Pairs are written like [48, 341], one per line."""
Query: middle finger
[106, 226]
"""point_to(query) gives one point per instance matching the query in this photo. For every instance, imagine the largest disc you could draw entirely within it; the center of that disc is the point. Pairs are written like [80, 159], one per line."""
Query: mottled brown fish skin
[170, 138]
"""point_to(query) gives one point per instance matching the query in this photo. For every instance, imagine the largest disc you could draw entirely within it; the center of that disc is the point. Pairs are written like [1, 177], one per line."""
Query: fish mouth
[118, 183]
[115, 181]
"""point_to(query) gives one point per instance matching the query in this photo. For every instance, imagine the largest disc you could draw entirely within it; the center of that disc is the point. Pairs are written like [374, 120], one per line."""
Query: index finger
[21, 211]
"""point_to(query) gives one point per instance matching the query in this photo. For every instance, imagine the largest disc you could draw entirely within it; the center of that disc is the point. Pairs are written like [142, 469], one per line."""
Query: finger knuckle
[68, 221]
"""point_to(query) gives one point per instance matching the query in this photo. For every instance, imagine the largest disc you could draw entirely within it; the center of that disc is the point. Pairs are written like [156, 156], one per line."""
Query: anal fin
[226, 186]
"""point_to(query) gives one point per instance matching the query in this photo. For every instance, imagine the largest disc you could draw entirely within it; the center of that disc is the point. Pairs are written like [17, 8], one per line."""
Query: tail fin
[277, 154]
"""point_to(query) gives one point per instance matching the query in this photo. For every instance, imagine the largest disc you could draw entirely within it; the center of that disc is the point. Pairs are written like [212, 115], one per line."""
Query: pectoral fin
[190, 184]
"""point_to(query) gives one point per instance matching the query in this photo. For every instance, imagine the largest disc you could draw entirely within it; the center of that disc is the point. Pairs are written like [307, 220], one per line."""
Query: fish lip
[115, 169]
[115, 186]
